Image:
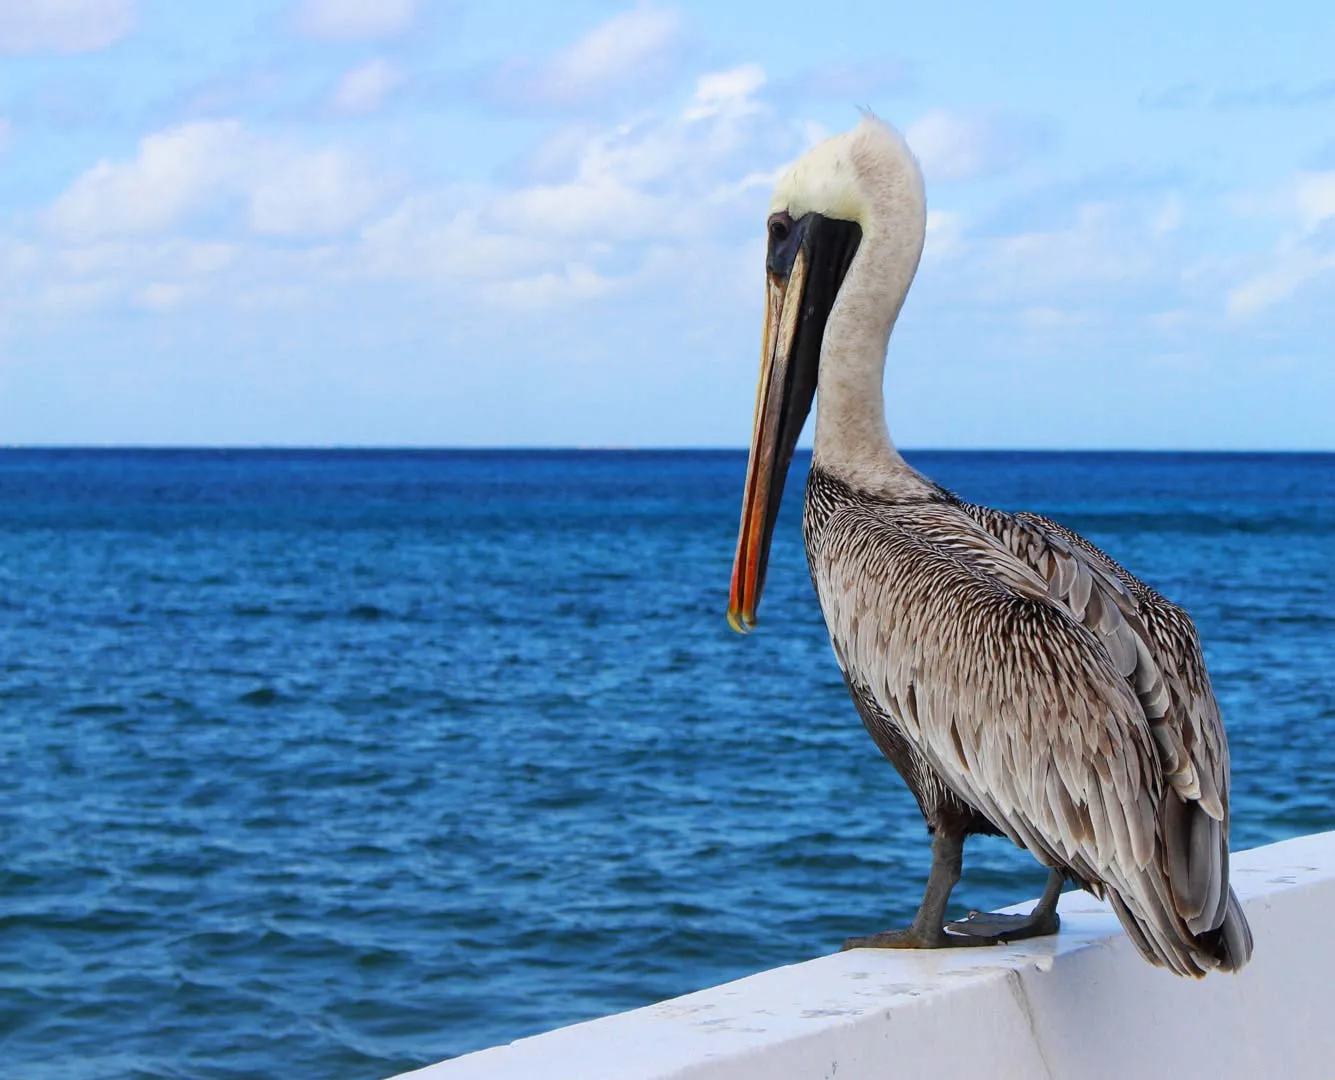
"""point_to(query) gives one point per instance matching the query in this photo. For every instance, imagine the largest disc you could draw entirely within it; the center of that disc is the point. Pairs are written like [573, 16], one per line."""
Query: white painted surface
[1081, 1005]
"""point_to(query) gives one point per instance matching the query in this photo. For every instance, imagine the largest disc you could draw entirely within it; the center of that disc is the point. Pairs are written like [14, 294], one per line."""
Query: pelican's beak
[806, 264]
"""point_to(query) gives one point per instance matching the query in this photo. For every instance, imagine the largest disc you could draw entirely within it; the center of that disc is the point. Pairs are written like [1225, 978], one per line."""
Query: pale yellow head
[868, 175]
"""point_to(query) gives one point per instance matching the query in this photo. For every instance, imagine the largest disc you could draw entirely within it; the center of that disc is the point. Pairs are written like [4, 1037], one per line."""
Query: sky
[523, 223]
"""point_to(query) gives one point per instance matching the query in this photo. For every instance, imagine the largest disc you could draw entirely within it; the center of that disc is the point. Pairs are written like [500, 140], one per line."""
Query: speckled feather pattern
[1024, 683]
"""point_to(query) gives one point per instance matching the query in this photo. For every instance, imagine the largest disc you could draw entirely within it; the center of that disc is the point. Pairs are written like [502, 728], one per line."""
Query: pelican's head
[856, 192]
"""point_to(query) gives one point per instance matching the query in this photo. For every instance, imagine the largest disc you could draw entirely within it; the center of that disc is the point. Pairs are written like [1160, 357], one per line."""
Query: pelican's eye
[780, 225]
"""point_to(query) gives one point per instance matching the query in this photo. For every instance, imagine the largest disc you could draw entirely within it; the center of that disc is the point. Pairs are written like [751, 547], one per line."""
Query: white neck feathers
[867, 175]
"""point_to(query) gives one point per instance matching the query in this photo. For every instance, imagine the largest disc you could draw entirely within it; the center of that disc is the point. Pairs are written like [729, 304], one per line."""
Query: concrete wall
[1080, 1005]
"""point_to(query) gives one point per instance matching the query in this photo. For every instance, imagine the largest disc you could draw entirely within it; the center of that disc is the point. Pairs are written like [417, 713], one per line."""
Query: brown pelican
[1020, 680]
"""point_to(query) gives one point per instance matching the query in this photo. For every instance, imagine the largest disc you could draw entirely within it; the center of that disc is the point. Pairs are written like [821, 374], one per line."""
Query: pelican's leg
[980, 928]
[996, 928]
[927, 931]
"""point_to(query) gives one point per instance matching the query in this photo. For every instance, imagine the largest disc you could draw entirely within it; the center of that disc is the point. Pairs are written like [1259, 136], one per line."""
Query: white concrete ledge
[1081, 1005]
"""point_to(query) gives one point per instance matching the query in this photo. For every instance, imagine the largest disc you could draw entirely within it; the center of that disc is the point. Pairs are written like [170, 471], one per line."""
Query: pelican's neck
[852, 439]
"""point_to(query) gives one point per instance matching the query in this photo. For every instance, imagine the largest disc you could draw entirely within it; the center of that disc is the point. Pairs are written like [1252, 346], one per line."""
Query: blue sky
[443, 222]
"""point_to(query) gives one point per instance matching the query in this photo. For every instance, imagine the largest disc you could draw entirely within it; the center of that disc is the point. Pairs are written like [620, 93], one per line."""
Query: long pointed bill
[767, 466]
[803, 282]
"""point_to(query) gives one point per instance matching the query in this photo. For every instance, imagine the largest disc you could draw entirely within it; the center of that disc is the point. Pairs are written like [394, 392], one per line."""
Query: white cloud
[307, 193]
[1168, 217]
[162, 295]
[729, 91]
[632, 196]
[444, 237]
[151, 273]
[1107, 244]
[1314, 196]
[212, 212]
[963, 146]
[355, 19]
[63, 297]
[365, 88]
[1302, 254]
[215, 166]
[71, 26]
[1119, 254]
[174, 173]
[632, 179]
[1128, 252]
[628, 51]
[573, 282]
[1288, 271]
[944, 229]
[558, 152]
[1051, 318]
[613, 52]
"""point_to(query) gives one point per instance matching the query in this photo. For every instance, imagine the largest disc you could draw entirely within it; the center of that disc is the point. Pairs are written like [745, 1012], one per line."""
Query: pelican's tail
[1233, 939]
[1179, 909]
[1163, 938]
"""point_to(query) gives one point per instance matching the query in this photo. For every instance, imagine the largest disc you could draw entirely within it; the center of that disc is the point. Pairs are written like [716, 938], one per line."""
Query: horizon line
[620, 449]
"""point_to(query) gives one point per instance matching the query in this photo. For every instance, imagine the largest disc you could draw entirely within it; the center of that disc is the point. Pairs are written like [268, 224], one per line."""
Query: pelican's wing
[1190, 731]
[1174, 689]
[1032, 713]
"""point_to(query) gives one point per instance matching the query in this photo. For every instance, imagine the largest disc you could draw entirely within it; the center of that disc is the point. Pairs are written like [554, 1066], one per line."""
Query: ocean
[336, 763]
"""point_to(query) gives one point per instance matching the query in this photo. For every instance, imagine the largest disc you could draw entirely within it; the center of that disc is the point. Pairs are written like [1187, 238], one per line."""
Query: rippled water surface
[333, 764]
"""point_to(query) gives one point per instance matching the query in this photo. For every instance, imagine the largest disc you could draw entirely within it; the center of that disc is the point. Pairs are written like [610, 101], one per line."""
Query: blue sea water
[332, 764]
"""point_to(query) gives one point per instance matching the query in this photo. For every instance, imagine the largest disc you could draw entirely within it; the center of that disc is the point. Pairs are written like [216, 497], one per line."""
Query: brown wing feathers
[1154, 645]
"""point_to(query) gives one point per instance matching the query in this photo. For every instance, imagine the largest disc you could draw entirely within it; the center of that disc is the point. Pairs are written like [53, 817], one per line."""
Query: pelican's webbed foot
[913, 938]
[990, 928]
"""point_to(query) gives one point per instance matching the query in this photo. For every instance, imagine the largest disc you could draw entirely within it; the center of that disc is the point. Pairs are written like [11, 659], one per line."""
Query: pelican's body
[1021, 682]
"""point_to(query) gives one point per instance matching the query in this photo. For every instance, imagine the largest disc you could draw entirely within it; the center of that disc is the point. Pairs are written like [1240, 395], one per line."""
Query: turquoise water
[333, 764]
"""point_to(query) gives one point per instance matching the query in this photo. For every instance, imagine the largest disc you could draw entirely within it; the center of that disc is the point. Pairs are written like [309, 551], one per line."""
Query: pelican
[1021, 682]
